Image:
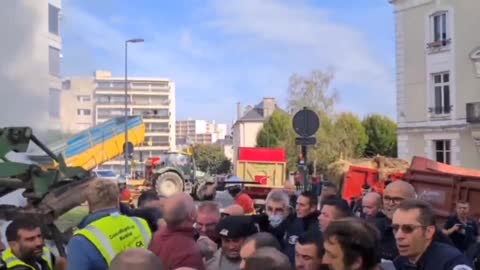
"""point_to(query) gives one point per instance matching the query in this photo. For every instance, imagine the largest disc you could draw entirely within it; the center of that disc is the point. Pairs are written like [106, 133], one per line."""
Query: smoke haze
[24, 64]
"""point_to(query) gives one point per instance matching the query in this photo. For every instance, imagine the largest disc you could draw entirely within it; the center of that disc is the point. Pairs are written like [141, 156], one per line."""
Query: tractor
[174, 172]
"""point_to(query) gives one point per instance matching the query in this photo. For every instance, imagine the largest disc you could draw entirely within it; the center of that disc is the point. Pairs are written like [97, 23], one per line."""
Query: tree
[278, 132]
[382, 135]
[211, 158]
[312, 91]
[350, 135]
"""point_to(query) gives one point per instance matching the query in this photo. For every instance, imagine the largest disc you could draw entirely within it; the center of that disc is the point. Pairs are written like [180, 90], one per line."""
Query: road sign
[306, 122]
[305, 141]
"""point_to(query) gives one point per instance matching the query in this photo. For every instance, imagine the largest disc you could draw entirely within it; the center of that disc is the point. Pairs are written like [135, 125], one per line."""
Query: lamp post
[135, 40]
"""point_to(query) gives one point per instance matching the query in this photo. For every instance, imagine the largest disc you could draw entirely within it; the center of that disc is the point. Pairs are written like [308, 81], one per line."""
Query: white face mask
[275, 220]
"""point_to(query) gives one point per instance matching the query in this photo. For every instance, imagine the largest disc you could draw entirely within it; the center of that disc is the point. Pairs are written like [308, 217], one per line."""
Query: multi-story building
[30, 63]
[93, 100]
[54, 59]
[199, 132]
[77, 102]
[438, 80]
[248, 124]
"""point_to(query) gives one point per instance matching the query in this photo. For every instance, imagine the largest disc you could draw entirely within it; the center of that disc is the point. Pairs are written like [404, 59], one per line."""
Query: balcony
[440, 113]
[439, 45]
[473, 112]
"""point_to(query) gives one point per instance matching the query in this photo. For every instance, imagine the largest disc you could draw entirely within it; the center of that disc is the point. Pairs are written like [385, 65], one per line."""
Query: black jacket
[298, 227]
[438, 256]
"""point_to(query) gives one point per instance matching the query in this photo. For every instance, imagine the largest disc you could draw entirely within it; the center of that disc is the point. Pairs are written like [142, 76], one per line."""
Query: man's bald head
[179, 209]
[234, 210]
[266, 258]
[136, 259]
[371, 204]
[395, 193]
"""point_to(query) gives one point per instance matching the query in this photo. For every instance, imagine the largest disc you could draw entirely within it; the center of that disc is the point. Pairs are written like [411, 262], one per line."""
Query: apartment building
[54, 61]
[89, 101]
[199, 132]
[438, 80]
[30, 62]
[78, 104]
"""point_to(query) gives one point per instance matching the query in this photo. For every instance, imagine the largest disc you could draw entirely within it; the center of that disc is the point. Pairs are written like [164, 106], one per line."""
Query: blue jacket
[81, 253]
[438, 256]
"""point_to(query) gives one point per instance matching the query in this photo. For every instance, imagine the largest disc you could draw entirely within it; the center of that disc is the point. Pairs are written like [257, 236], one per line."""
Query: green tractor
[174, 172]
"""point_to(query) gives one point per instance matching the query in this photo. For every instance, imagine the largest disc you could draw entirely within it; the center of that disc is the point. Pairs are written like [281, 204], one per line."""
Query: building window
[66, 85]
[441, 93]
[54, 61]
[84, 112]
[53, 15]
[83, 99]
[54, 103]
[439, 30]
[443, 151]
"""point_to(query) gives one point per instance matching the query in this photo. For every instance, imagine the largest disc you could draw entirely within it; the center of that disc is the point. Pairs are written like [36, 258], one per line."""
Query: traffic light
[128, 150]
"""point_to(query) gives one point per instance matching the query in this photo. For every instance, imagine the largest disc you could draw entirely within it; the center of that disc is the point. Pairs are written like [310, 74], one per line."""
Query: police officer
[414, 226]
[27, 248]
[105, 232]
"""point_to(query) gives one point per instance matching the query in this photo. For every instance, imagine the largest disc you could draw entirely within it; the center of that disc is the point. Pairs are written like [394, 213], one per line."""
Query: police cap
[234, 227]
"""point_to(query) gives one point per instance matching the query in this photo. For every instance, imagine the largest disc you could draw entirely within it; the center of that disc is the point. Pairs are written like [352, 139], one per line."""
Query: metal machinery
[174, 172]
[54, 179]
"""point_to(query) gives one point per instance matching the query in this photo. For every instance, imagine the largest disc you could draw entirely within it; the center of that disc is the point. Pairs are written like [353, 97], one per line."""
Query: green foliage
[350, 135]
[275, 131]
[382, 134]
[278, 132]
[211, 158]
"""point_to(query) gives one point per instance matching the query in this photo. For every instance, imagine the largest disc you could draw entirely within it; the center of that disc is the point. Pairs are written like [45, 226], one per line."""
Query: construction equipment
[174, 172]
[53, 181]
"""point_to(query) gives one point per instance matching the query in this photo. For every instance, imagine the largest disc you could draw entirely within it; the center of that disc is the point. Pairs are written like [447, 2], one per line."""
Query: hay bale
[386, 166]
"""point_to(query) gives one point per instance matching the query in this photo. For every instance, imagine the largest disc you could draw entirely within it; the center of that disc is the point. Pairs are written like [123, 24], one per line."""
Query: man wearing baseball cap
[233, 231]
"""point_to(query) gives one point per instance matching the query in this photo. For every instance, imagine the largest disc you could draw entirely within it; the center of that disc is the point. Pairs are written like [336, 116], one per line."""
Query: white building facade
[438, 80]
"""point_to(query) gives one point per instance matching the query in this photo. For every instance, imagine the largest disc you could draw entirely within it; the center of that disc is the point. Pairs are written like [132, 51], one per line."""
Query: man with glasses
[414, 228]
[393, 195]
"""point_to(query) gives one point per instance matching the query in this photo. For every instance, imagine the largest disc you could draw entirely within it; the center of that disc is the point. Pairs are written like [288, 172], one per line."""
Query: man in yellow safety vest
[27, 248]
[105, 232]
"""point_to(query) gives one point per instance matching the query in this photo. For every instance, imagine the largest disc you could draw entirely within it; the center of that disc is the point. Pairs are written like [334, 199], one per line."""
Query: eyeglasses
[392, 199]
[406, 228]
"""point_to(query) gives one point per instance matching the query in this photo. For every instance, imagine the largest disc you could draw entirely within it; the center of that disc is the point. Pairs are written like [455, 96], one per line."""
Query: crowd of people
[296, 230]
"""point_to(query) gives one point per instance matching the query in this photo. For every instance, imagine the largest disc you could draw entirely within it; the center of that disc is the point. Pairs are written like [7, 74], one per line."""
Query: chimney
[269, 105]
[239, 110]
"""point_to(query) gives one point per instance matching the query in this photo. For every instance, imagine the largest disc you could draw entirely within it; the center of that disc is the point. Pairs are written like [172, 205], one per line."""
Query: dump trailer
[97, 145]
[53, 188]
[443, 185]
[262, 169]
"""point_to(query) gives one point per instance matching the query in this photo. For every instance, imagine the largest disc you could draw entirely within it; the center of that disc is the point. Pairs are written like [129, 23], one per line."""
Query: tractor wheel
[168, 184]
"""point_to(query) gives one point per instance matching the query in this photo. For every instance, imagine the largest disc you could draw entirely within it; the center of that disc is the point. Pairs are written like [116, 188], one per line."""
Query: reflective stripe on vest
[12, 261]
[114, 234]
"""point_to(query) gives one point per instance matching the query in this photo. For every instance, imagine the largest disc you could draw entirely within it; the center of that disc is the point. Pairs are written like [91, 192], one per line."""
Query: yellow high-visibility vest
[12, 261]
[116, 233]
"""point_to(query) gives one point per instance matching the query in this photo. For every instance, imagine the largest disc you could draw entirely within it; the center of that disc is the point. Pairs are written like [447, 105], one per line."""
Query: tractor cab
[171, 172]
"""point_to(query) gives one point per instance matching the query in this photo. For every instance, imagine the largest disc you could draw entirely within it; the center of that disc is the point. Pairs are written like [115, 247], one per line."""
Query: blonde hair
[102, 193]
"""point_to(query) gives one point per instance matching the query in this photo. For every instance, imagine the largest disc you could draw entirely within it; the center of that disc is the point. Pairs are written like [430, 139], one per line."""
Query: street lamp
[134, 40]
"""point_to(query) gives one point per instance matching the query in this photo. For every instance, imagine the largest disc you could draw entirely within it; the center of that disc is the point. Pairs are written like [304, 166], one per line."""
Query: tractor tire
[168, 184]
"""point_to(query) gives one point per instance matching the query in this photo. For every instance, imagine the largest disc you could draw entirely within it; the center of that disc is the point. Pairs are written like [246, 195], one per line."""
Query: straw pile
[386, 166]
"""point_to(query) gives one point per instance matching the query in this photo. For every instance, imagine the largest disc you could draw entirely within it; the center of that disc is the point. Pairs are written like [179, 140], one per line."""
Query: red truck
[440, 184]
[264, 168]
